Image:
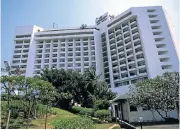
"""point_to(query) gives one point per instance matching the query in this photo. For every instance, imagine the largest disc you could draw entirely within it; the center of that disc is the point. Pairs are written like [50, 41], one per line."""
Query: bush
[101, 104]
[74, 123]
[87, 112]
[96, 120]
[102, 114]
[76, 109]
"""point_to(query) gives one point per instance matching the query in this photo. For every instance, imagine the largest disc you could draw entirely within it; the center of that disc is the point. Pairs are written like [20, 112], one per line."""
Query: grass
[103, 126]
[60, 114]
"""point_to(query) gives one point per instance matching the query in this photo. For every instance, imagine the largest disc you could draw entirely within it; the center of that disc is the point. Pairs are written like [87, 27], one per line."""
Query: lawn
[103, 126]
[60, 114]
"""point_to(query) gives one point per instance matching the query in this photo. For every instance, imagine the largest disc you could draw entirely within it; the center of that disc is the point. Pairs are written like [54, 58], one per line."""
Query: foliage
[33, 90]
[102, 114]
[96, 120]
[159, 93]
[18, 113]
[101, 104]
[74, 123]
[76, 109]
[87, 111]
[82, 88]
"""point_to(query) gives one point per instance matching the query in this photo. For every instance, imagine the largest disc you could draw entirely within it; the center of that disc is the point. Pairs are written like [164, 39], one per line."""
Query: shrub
[87, 112]
[102, 114]
[101, 104]
[96, 120]
[74, 123]
[76, 109]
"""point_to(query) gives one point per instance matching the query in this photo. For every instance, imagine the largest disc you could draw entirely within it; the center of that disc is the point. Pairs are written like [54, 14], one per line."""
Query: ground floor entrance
[120, 109]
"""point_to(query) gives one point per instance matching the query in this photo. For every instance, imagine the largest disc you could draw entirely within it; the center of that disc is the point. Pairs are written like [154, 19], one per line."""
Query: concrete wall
[148, 115]
[32, 52]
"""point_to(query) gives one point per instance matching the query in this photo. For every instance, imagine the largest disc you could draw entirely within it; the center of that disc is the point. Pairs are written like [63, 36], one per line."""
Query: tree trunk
[9, 114]
[161, 115]
[29, 111]
[9, 111]
[177, 107]
[46, 115]
[152, 111]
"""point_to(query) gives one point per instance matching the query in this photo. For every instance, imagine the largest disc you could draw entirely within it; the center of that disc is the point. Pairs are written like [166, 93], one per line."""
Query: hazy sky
[67, 13]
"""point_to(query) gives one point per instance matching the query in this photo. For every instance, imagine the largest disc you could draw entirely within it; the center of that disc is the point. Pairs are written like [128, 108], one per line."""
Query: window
[70, 49]
[70, 65]
[46, 55]
[62, 45]
[48, 41]
[62, 49]
[86, 58]
[70, 54]
[54, 50]
[70, 44]
[62, 55]
[55, 45]
[62, 60]
[55, 40]
[54, 55]
[133, 108]
[46, 66]
[78, 54]
[47, 45]
[54, 60]
[151, 10]
[78, 49]
[47, 50]
[85, 53]
[78, 44]
[70, 59]
[46, 61]
[61, 65]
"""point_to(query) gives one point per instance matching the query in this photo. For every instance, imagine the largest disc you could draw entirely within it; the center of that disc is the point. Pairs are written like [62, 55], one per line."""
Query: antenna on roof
[53, 25]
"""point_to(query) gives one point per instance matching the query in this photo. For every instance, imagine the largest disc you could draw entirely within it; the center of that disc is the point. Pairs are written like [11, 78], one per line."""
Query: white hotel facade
[135, 45]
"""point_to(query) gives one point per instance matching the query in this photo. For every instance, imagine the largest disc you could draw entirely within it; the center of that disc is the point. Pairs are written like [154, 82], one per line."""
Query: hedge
[76, 109]
[87, 112]
[102, 114]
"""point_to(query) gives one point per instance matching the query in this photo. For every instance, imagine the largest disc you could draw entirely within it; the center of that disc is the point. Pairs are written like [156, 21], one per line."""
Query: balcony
[141, 66]
[133, 22]
[114, 55]
[123, 64]
[131, 62]
[114, 62]
[116, 80]
[130, 55]
[113, 50]
[133, 25]
[124, 78]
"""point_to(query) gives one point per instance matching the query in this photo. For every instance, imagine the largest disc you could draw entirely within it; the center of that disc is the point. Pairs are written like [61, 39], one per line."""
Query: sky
[67, 13]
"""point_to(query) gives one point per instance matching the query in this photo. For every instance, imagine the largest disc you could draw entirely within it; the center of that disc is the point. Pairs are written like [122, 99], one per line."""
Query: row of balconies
[132, 74]
[22, 41]
[63, 50]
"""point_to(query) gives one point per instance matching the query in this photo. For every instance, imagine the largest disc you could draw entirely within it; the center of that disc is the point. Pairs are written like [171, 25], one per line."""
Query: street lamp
[141, 120]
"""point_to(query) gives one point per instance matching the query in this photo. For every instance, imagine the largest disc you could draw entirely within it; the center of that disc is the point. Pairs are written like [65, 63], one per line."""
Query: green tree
[82, 88]
[157, 94]
[8, 86]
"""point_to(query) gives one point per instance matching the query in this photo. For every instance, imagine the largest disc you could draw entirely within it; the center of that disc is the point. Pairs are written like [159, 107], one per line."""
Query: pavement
[164, 126]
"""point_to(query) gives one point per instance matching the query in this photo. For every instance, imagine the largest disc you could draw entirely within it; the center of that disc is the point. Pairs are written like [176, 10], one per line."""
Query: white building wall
[31, 53]
[148, 115]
